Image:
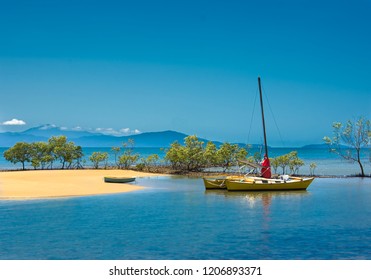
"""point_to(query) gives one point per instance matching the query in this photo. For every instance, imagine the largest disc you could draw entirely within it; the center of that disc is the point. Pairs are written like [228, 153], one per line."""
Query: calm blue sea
[175, 218]
[327, 163]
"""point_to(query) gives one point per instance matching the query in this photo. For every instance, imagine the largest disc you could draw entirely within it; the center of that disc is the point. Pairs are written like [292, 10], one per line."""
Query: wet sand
[64, 183]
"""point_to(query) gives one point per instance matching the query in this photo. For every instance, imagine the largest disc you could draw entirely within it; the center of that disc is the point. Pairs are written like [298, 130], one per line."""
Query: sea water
[327, 163]
[175, 218]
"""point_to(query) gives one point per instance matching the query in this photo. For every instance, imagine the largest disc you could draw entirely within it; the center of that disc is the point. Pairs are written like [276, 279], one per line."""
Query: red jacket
[266, 170]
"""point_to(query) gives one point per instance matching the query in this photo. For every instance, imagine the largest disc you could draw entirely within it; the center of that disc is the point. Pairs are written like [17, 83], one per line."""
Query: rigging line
[252, 116]
[274, 118]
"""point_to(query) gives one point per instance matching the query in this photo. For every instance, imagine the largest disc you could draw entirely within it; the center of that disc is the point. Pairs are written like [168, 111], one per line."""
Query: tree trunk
[362, 170]
[360, 162]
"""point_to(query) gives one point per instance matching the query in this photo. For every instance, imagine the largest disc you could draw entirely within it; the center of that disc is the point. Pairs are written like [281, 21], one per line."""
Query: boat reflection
[260, 202]
[265, 197]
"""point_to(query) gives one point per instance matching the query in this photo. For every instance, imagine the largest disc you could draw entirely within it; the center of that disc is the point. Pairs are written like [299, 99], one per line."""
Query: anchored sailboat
[265, 182]
[248, 183]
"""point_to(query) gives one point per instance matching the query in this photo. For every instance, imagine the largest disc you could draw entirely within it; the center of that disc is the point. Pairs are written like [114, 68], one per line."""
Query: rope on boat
[252, 115]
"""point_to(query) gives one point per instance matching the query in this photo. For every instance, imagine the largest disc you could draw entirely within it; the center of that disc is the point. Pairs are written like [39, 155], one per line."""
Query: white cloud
[14, 122]
[120, 132]
[125, 130]
[48, 126]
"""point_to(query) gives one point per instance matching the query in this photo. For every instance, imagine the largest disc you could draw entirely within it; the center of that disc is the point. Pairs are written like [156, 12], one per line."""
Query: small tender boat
[214, 183]
[263, 184]
[217, 183]
[119, 179]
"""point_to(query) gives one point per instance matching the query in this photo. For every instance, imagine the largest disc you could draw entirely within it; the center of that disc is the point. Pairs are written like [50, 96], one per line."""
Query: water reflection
[252, 198]
[259, 209]
[255, 199]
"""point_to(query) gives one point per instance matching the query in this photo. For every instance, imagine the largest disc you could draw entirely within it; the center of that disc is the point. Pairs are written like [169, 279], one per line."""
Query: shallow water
[175, 218]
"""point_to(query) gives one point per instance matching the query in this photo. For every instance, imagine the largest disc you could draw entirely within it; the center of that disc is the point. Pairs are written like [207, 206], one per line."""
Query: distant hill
[147, 139]
[8, 139]
[88, 139]
[315, 146]
[320, 146]
[49, 130]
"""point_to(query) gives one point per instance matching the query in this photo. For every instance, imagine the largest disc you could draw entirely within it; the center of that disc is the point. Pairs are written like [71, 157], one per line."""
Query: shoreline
[164, 171]
[51, 184]
[64, 183]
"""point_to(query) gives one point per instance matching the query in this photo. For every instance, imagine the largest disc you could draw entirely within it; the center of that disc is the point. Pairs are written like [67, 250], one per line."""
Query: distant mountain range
[93, 139]
[89, 139]
[322, 146]
[316, 146]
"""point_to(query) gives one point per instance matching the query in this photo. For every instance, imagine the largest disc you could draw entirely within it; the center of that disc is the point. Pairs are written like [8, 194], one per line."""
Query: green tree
[149, 162]
[348, 140]
[274, 163]
[174, 155]
[65, 152]
[57, 144]
[210, 155]
[190, 157]
[128, 158]
[76, 156]
[20, 152]
[283, 161]
[41, 154]
[229, 154]
[97, 157]
[290, 160]
[295, 162]
[312, 167]
[116, 151]
[193, 155]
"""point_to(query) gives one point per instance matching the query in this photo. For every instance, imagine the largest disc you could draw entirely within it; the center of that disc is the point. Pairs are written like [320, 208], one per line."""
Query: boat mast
[262, 109]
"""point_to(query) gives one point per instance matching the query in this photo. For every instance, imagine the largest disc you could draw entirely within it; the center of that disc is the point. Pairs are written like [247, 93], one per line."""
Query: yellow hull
[261, 184]
[218, 182]
[214, 184]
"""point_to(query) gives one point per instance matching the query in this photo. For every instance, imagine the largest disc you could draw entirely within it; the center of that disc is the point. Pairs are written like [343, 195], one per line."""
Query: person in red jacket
[266, 168]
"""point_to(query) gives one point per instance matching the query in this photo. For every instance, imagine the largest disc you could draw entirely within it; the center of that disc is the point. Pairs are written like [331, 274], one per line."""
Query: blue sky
[189, 66]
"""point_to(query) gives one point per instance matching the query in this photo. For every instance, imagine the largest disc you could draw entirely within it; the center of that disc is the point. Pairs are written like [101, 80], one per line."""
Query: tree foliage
[289, 160]
[211, 155]
[97, 157]
[194, 155]
[229, 154]
[312, 167]
[149, 163]
[348, 140]
[43, 154]
[128, 158]
[116, 151]
[20, 152]
[189, 157]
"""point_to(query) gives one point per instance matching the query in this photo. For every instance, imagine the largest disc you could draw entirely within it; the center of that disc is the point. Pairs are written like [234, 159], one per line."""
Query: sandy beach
[63, 183]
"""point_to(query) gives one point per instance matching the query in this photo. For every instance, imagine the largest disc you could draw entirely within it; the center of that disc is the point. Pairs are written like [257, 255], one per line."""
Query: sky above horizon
[190, 66]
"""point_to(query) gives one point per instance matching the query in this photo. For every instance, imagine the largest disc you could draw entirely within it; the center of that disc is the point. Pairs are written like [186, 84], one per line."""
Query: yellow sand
[62, 183]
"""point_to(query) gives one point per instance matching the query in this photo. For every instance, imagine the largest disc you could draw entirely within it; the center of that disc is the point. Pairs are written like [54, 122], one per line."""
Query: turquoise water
[327, 163]
[175, 218]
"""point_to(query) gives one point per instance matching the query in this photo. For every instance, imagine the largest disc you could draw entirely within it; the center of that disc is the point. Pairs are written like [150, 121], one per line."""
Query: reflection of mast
[266, 201]
[266, 222]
